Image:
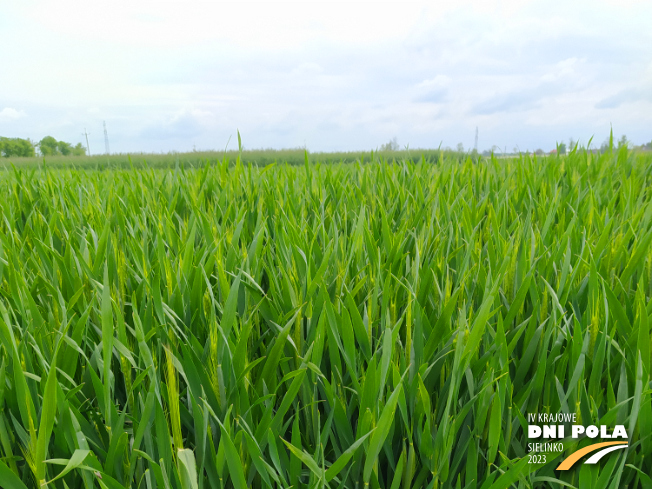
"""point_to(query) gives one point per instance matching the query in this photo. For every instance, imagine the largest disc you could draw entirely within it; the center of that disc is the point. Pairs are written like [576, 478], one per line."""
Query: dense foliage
[48, 146]
[323, 325]
[16, 147]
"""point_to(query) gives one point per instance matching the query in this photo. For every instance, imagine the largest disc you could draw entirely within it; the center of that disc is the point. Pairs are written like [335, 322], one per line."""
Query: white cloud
[8, 114]
[439, 81]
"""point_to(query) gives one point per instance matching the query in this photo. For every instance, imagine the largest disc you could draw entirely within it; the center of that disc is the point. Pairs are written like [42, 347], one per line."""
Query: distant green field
[198, 159]
[375, 323]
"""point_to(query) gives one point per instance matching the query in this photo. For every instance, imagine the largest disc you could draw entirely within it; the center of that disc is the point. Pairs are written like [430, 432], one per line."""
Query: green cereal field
[384, 323]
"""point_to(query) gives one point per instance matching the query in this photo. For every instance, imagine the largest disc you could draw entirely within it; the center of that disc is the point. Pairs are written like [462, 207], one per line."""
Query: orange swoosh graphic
[570, 461]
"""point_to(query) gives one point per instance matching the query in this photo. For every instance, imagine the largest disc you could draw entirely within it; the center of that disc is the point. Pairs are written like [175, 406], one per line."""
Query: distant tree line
[48, 146]
[16, 147]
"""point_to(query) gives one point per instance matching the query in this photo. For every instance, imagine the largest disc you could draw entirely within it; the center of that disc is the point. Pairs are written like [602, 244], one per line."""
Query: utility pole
[85, 133]
[475, 147]
[106, 140]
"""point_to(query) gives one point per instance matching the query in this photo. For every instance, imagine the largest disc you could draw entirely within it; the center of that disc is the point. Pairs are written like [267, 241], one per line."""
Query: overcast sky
[328, 75]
